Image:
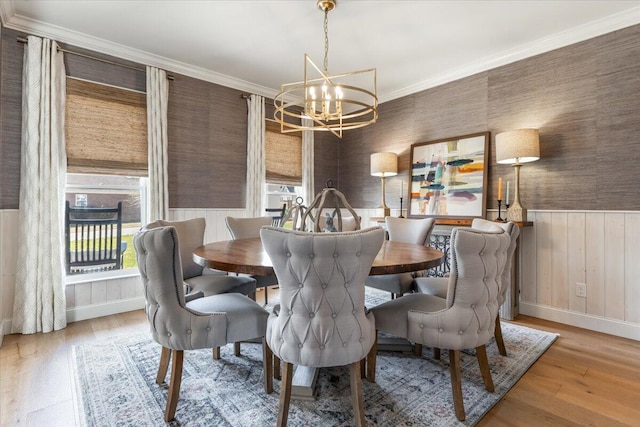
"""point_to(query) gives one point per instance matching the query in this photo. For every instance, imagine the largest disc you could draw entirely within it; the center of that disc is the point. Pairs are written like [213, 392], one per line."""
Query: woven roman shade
[283, 156]
[105, 129]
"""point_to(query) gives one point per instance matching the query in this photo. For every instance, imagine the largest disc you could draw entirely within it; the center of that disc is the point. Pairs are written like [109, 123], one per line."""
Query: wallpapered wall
[583, 98]
[207, 132]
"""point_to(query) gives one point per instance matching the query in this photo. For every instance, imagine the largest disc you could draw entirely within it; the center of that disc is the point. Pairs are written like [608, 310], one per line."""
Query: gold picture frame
[448, 177]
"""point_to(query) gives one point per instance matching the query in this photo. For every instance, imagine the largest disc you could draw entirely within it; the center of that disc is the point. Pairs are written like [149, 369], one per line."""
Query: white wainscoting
[600, 249]
[100, 297]
[8, 257]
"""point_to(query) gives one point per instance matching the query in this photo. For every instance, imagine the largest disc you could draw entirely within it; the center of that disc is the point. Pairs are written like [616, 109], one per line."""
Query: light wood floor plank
[585, 378]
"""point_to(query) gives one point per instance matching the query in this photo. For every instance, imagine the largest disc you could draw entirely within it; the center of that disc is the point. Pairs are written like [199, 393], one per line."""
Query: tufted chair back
[246, 228]
[191, 234]
[321, 319]
[196, 277]
[513, 231]
[158, 256]
[404, 230]
[477, 262]
[415, 231]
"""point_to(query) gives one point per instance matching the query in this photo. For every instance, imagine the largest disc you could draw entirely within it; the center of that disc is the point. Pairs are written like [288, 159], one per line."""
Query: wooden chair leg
[216, 353]
[363, 368]
[357, 400]
[498, 335]
[285, 394]
[481, 355]
[456, 383]
[417, 349]
[165, 356]
[436, 353]
[266, 296]
[267, 366]
[174, 385]
[236, 348]
[276, 368]
[371, 360]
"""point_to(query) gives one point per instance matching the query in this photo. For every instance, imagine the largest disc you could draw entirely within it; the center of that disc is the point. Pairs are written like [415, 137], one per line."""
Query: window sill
[101, 275]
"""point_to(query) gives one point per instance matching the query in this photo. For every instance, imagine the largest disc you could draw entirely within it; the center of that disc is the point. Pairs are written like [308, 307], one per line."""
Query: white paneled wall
[8, 257]
[600, 249]
[216, 229]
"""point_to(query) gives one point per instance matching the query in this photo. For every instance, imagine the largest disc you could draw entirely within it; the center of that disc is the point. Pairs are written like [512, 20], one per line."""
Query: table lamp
[516, 147]
[384, 165]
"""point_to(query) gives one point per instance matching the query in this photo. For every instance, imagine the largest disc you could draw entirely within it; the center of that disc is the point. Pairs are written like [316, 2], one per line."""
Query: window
[106, 146]
[105, 191]
[283, 166]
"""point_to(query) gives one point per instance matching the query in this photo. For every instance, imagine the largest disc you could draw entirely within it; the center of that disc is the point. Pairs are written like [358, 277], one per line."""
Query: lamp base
[517, 213]
[382, 212]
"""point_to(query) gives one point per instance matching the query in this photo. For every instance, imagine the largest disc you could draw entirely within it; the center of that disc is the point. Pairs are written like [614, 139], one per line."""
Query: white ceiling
[258, 45]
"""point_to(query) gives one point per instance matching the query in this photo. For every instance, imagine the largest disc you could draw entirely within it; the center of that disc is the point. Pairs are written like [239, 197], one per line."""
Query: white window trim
[74, 279]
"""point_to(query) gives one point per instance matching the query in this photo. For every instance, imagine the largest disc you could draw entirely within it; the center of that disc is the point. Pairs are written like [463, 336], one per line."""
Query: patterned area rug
[116, 385]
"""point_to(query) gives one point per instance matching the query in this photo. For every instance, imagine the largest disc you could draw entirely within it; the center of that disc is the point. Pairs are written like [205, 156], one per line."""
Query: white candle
[401, 188]
[507, 200]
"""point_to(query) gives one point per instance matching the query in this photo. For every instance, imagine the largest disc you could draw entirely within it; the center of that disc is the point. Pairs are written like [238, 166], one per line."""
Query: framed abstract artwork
[448, 177]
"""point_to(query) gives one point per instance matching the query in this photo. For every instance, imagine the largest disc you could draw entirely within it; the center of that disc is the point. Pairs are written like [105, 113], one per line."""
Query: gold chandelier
[331, 103]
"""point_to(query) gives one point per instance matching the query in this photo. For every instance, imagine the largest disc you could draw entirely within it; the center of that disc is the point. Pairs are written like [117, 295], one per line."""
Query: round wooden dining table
[248, 256]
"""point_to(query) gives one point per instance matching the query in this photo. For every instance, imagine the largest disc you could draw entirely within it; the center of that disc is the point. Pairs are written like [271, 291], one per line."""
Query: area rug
[115, 380]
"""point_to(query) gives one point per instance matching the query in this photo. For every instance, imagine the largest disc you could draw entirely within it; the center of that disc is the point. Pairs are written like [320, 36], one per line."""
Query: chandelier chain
[326, 41]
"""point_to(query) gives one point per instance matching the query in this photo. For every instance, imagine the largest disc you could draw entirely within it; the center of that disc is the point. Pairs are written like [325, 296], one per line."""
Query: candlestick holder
[401, 216]
[500, 211]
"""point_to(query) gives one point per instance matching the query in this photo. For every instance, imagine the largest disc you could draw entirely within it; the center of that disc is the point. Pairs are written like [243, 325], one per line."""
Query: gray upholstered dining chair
[321, 319]
[437, 286]
[416, 231]
[247, 228]
[466, 318]
[179, 323]
[196, 277]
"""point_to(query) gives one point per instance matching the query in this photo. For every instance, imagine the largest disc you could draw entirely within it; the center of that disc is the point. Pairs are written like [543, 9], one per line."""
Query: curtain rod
[84, 55]
[247, 95]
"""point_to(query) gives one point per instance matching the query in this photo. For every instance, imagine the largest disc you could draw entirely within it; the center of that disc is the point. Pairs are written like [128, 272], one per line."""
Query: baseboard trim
[76, 314]
[586, 321]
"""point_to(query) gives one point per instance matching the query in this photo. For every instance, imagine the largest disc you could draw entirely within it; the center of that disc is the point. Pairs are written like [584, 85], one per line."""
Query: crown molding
[60, 34]
[565, 38]
[7, 11]
[574, 35]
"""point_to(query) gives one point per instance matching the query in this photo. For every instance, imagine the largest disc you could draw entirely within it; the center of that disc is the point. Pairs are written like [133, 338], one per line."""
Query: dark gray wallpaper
[583, 98]
[207, 131]
[10, 118]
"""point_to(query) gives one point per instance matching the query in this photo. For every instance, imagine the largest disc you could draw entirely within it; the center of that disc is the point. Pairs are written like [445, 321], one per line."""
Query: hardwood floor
[585, 378]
